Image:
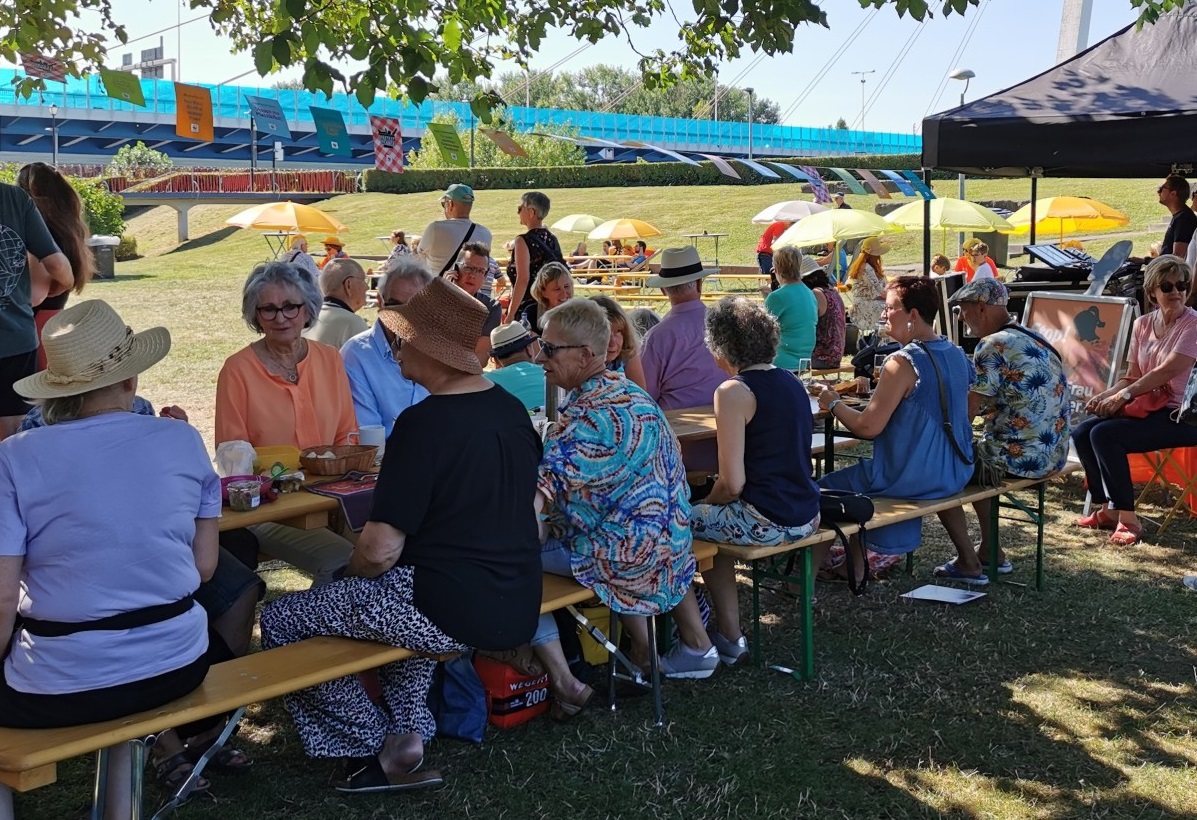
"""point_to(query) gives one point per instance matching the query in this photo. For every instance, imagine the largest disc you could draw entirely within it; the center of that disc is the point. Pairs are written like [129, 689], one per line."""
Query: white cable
[893, 69]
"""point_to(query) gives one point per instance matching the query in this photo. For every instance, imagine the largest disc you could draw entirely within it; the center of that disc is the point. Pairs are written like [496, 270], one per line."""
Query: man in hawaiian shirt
[1022, 395]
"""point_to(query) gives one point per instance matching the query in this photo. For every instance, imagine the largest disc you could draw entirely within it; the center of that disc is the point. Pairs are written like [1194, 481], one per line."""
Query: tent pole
[927, 226]
[1034, 197]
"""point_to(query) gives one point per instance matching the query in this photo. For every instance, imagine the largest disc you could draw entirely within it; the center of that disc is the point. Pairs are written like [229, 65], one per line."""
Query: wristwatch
[1125, 395]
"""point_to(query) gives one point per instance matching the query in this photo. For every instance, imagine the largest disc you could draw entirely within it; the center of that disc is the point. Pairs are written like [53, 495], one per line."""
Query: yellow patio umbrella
[292, 217]
[623, 229]
[948, 214]
[836, 225]
[577, 223]
[1068, 214]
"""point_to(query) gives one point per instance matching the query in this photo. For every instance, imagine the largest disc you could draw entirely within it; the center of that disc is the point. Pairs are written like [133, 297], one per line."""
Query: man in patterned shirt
[1022, 395]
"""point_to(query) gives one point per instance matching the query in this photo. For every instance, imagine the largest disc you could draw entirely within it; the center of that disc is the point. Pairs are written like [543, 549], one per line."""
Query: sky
[1003, 42]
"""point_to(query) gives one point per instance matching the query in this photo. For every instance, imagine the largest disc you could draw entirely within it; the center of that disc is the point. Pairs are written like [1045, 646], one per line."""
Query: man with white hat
[443, 239]
[514, 347]
[1022, 395]
[678, 367]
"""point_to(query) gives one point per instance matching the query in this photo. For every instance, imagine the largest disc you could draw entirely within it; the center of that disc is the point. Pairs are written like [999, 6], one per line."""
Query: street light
[53, 129]
[864, 76]
[965, 74]
[750, 91]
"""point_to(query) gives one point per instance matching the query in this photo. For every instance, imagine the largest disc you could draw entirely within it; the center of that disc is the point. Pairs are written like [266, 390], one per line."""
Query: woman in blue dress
[912, 456]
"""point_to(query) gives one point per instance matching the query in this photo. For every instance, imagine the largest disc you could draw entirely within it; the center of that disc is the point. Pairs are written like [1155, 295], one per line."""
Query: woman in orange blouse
[286, 390]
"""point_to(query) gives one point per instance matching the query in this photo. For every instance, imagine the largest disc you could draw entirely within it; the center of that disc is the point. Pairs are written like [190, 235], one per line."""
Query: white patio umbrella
[793, 210]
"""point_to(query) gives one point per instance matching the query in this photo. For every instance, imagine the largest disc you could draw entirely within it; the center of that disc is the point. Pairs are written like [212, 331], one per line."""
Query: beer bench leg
[806, 583]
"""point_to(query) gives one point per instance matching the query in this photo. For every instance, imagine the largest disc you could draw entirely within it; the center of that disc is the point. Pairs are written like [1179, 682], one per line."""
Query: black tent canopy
[1127, 107]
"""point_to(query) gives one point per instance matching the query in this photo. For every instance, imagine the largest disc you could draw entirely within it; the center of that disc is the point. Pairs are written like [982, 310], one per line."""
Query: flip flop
[370, 778]
[950, 572]
[1097, 521]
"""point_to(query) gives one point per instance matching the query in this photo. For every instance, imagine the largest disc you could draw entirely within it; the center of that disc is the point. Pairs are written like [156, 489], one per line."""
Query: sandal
[365, 775]
[227, 759]
[562, 711]
[950, 572]
[173, 772]
[1125, 536]
[1099, 519]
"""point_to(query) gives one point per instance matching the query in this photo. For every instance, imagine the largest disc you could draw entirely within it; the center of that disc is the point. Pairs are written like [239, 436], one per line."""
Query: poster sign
[817, 186]
[506, 144]
[331, 132]
[47, 68]
[123, 86]
[268, 116]
[446, 139]
[193, 113]
[388, 144]
[1091, 333]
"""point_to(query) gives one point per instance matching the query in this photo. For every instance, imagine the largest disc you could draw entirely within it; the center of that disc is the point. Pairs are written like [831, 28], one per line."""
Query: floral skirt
[742, 524]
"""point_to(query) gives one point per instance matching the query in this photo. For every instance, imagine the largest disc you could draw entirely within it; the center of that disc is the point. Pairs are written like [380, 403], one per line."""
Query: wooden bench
[778, 562]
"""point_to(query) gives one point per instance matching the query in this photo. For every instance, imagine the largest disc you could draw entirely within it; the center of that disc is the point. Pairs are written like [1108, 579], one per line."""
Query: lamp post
[53, 129]
[965, 74]
[750, 112]
[864, 75]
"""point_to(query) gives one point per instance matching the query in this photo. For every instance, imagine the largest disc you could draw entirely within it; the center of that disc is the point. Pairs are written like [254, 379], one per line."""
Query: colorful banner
[47, 68]
[901, 182]
[388, 144]
[446, 139]
[502, 139]
[331, 131]
[854, 186]
[871, 180]
[268, 116]
[760, 169]
[822, 195]
[722, 165]
[122, 85]
[917, 183]
[193, 113]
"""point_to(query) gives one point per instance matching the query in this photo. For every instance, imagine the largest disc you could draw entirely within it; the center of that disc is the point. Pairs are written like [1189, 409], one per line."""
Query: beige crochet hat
[89, 346]
[441, 321]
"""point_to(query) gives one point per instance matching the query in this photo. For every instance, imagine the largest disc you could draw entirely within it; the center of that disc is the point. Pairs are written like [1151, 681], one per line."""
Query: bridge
[91, 127]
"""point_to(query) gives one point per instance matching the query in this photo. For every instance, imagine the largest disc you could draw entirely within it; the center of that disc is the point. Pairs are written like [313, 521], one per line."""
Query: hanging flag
[268, 116]
[760, 169]
[822, 196]
[917, 183]
[122, 85]
[446, 139]
[791, 170]
[331, 132]
[871, 180]
[388, 144]
[502, 139]
[47, 68]
[854, 187]
[667, 152]
[193, 113]
[901, 182]
[721, 164]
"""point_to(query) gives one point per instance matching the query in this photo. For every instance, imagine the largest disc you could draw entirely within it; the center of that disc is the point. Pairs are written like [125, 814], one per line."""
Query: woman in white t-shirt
[97, 584]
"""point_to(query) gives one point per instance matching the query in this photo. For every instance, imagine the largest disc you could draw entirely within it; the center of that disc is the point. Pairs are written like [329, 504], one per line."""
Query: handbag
[1141, 406]
[845, 507]
[1187, 412]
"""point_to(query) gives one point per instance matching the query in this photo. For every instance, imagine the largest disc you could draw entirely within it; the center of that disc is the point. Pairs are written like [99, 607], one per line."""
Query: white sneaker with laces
[730, 652]
[680, 662]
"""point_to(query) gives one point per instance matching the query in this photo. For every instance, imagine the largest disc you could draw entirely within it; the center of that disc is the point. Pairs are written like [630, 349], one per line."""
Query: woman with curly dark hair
[61, 208]
[764, 493]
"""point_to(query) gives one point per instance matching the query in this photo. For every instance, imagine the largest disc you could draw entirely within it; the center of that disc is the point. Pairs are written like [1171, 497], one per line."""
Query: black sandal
[365, 775]
[173, 772]
[228, 760]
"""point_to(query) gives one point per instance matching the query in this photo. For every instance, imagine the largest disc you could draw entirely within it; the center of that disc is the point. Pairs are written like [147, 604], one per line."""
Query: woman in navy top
[764, 493]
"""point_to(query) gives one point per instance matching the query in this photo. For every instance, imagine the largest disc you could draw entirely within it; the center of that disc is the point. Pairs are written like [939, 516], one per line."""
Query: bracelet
[834, 402]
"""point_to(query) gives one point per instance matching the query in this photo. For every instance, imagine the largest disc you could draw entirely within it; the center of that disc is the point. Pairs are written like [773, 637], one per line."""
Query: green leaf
[296, 8]
[263, 57]
[452, 34]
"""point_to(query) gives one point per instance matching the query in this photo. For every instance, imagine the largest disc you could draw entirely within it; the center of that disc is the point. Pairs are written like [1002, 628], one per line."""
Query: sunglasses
[550, 350]
[1182, 286]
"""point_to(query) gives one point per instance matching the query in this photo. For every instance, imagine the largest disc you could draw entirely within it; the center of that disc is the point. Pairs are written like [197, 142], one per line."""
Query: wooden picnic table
[302, 510]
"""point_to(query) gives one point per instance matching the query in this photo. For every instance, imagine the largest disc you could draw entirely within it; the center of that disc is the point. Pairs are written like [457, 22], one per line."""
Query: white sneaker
[1190, 581]
[680, 662]
[730, 652]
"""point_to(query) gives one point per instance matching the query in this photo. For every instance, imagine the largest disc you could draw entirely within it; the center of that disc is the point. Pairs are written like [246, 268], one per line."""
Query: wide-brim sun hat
[441, 321]
[89, 346]
[875, 246]
[678, 266]
[334, 241]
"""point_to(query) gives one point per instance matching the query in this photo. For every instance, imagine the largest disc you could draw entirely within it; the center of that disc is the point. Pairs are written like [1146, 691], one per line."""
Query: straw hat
[970, 243]
[508, 339]
[875, 246]
[678, 266]
[295, 241]
[441, 321]
[334, 241]
[88, 346]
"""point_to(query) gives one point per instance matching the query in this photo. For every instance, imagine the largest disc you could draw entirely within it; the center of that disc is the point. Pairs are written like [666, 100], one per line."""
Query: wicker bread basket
[348, 457]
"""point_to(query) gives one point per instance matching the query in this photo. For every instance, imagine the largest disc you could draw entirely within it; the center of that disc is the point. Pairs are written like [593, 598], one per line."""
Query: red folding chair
[1175, 467]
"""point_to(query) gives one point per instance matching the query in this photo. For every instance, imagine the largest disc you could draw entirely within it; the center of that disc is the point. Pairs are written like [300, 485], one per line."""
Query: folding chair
[1162, 461]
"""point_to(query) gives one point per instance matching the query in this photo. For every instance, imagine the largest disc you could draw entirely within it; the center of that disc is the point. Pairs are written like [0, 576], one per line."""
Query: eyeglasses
[271, 312]
[471, 269]
[1182, 286]
[550, 350]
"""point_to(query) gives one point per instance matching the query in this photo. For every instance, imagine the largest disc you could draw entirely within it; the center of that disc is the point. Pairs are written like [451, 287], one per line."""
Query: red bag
[1140, 406]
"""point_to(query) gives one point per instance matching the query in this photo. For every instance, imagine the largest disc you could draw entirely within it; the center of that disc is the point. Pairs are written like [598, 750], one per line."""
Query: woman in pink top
[284, 389]
[1162, 352]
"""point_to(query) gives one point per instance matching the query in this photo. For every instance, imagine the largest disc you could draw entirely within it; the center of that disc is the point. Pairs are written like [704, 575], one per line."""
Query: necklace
[290, 369]
[100, 410]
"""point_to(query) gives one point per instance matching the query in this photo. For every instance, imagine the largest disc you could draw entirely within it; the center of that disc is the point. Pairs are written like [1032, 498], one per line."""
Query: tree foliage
[138, 160]
[542, 151]
[103, 210]
[407, 43]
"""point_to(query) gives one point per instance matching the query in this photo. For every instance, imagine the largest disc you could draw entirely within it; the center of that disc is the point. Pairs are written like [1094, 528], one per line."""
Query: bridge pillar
[182, 209]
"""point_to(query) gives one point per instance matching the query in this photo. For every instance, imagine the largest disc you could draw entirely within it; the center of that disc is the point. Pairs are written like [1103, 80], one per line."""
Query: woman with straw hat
[449, 560]
[143, 535]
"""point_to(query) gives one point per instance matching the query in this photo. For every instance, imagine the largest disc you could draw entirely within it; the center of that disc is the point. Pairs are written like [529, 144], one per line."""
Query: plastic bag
[235, 458]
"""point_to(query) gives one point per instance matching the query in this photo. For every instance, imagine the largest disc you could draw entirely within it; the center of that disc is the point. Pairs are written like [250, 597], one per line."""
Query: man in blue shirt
[514, 347]
[380, 392]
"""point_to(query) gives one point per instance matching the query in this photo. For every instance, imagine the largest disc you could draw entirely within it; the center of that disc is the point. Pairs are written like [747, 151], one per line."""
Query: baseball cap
[459, 193]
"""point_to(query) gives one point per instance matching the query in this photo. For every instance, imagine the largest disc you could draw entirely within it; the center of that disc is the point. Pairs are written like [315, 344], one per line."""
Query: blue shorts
[231, 580]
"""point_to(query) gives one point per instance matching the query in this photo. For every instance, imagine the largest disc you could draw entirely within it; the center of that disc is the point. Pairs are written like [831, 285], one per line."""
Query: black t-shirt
[458, 477]
[494, 314]
[1180, 229]
[22, 230]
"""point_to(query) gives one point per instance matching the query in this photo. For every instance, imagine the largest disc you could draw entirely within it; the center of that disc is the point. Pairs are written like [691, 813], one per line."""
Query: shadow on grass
[205, 240]
[120, 277]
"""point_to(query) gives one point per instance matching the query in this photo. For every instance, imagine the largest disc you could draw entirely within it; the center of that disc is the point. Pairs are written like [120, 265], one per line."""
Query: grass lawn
[1075, 702]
